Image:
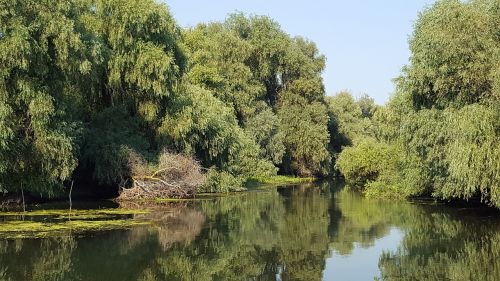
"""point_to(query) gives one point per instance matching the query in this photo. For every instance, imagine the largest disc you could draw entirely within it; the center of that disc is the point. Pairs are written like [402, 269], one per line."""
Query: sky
[365, 41]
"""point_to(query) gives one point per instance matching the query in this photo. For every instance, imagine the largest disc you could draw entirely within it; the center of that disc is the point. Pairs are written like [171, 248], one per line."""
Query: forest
[107, 92]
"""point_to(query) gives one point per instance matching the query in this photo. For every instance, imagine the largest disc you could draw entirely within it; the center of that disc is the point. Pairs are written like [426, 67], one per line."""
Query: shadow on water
[308, 232]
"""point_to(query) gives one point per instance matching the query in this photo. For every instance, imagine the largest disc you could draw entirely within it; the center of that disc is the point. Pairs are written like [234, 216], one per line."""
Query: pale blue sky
[365, 41]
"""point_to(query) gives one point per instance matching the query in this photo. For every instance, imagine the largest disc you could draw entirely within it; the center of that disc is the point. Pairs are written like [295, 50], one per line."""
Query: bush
[381, 170]
[221, 182]
[363, 162]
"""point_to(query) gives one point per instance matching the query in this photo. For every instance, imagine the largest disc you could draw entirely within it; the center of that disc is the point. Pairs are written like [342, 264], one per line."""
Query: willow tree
[455, 54]
[86, 78]
[302, 110]
[218, 63]
[444, 116]
[353, 119]
[473, 154]
[269, 46]
[41, 54]
[138, 60]
[454, 72]
[199, 124]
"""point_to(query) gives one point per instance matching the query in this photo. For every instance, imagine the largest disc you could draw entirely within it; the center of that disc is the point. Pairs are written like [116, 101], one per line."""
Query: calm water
[302, 233]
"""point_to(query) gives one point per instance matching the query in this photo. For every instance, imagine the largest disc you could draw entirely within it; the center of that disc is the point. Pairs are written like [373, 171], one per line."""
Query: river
[311, 232]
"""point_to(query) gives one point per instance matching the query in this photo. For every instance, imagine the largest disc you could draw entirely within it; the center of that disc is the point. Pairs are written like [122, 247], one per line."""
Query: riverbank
[81, 193]
[278, 180]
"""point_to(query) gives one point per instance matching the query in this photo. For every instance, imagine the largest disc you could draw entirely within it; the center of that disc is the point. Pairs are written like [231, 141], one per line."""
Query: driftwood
[175, 176]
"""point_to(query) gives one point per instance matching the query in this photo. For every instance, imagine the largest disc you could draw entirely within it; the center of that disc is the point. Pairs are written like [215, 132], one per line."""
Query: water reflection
[303, 233]
[441, 245]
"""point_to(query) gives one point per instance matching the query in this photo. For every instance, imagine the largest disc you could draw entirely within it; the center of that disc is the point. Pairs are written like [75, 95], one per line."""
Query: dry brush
[173, 176]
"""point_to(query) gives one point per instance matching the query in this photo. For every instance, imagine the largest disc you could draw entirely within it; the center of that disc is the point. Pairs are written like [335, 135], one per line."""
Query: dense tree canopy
[42, 57]
[455, 54]
[272, 82]
[85, 83]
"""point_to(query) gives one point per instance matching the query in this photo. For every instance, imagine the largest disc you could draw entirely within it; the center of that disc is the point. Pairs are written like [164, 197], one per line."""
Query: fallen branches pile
[175, 176]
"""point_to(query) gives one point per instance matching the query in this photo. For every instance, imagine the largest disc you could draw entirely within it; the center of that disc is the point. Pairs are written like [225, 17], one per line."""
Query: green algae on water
[49, 223]
[32, 229]
[74, 212]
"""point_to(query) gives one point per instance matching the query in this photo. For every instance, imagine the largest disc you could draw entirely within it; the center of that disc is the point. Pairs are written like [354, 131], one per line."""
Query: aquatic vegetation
[33, 229]
[173, 200]
[201, 197]
[48, 223]
[67, 212]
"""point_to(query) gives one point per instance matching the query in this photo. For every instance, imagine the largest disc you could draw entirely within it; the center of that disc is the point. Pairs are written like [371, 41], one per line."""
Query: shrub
[382, 170]
[221, 182]
[362, 163]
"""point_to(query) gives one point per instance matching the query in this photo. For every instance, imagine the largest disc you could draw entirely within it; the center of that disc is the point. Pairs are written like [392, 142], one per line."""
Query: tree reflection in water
[276, 234]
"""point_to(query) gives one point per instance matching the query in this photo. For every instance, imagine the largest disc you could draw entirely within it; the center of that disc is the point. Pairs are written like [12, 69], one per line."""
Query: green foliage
[362, 163]
[218, 63]
[381, 170]
[473, 153]
[350, 119]
[442, 125]
[269, 47]
[40, 52]
[84, 82]
[266, 77]
[450, 153]
[367, 106]
[200, 124]
[264, 128]
[137, 47]
[221, 181]
[455, 54]
[106, 146]
[277, 180]
[64, 70]
[305, 136]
